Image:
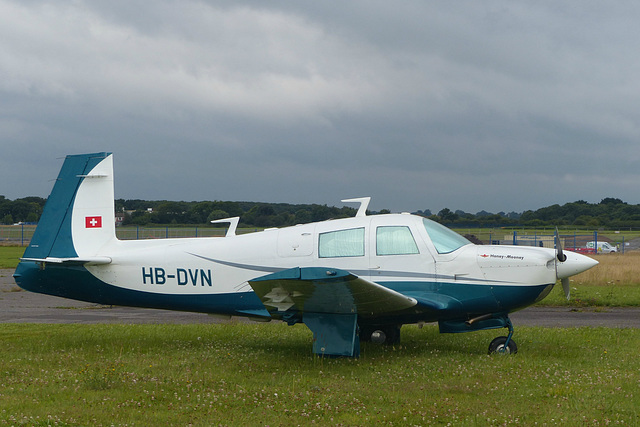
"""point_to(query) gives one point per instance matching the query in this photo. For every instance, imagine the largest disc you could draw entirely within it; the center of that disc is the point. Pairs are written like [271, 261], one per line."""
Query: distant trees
[251, 214]
[610, 212]
[27, 209]
[445, 215]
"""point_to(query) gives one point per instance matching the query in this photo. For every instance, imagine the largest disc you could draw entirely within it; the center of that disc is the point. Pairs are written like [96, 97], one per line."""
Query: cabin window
[395, 241]
[444, 239]
[343, 243]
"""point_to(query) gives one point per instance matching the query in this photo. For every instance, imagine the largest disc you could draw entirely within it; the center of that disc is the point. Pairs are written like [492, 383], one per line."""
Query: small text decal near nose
[93, 222]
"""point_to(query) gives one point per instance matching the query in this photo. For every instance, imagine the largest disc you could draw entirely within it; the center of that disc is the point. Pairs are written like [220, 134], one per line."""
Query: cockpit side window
[444, 239]
[342, 243]
[395, 240]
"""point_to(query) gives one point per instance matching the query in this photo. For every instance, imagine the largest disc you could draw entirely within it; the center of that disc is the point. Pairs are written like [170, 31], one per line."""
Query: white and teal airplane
[348, 280]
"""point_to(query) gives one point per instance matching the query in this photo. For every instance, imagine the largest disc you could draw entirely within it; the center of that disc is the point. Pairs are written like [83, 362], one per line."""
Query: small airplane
[348, 280]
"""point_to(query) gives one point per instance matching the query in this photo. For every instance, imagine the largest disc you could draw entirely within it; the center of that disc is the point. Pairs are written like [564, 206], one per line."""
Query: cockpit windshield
[444, 239]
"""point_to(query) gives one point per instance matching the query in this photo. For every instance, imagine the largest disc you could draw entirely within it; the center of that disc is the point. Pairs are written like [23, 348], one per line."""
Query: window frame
[414, 250]
[361, 243]
[444, 240]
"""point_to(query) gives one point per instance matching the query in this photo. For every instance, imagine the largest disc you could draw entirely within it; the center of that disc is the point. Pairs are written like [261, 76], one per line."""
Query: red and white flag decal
[93, 222]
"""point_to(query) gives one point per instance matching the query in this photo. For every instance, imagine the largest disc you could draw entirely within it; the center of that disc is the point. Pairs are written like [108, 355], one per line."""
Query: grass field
[265, 374]
[615, 281]
[10, 256]
[248, 374]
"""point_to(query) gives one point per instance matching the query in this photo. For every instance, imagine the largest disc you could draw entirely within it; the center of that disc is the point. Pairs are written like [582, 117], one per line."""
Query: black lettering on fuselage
[205, 277]
[182, 276]
[160, 279]
[146, 276]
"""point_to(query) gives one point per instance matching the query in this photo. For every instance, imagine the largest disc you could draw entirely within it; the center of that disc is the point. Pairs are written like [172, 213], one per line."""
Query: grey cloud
[493, 106]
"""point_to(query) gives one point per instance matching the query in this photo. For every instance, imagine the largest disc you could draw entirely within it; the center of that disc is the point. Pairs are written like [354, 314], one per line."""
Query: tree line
[609, 213]
[252, 214]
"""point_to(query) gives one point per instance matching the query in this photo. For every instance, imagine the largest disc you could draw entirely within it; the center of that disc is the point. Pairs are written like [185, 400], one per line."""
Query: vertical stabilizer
[78, 218]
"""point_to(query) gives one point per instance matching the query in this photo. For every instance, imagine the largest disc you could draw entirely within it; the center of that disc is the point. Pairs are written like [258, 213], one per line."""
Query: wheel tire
[390, 334]
[497, 346]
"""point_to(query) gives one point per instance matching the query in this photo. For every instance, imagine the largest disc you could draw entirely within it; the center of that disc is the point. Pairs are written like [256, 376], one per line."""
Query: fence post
[21, 234]
[595, 240]
[515, 238]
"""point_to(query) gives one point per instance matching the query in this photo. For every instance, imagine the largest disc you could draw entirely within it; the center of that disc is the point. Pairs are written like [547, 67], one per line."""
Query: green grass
[10, 256]
[248, 374]
[589, 295]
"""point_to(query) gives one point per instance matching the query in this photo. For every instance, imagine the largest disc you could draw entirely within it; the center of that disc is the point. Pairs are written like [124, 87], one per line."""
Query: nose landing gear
[504, 345]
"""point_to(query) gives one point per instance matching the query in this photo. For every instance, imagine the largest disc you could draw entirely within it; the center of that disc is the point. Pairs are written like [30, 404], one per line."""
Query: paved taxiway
[18, 306]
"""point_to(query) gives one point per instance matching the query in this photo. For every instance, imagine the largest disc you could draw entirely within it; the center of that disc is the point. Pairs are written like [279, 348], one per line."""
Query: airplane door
[399, 256]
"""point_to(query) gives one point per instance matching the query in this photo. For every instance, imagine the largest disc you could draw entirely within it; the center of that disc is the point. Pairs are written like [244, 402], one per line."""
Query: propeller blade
[559, 253]
[562, 258]
[566, 288]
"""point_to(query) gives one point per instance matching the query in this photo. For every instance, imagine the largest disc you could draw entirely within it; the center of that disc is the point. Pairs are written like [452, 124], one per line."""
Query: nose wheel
[504, 345]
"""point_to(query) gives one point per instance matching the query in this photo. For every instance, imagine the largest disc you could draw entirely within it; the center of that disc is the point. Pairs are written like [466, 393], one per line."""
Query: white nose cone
[574, 264]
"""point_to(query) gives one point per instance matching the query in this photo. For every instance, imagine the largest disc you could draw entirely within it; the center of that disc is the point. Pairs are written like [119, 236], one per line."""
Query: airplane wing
[326, 290]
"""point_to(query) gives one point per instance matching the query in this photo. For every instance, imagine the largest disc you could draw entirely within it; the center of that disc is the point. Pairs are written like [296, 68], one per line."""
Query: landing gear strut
[504, 345]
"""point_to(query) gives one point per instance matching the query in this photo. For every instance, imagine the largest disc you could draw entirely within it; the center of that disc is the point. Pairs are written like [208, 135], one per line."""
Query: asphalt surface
[19, 306]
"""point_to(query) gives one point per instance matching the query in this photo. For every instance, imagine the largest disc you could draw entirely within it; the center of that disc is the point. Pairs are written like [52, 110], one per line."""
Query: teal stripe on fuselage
[476, 299]
[76, 282]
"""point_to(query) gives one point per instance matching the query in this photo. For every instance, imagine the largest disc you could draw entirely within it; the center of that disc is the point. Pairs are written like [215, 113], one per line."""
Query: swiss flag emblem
[93, 222]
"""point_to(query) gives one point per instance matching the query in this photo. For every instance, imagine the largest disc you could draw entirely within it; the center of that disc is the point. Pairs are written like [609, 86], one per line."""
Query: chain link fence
[21, 234]
[583, 241]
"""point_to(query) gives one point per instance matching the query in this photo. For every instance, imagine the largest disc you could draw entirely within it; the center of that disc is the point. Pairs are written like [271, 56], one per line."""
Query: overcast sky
[471, 105]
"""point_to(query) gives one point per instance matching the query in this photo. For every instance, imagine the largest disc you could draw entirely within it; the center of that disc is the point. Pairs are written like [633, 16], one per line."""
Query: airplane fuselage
[343, 278]
[211, 274]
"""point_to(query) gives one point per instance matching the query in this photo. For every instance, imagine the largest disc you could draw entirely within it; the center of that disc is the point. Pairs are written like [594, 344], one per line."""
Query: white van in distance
[603, 247]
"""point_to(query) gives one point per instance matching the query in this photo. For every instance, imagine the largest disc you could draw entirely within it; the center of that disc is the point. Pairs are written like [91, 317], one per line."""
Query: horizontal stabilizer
[70, 261]
[325, 290]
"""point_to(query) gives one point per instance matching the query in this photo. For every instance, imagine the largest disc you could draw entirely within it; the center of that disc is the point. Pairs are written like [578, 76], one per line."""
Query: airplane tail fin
[79, 217]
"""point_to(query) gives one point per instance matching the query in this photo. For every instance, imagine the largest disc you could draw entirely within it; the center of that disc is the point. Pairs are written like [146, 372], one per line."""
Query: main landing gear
[381, 334]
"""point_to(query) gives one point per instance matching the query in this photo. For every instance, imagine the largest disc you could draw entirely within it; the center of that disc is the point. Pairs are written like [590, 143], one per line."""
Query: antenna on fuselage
[233, 224]
[364, 204]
